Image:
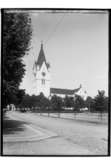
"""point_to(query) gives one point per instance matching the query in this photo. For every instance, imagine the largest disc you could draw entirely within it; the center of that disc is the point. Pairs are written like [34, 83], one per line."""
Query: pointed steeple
[41, 57]
[41, 44]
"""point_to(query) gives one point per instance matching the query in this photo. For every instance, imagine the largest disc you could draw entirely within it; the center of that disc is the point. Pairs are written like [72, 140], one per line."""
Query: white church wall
[44, 88]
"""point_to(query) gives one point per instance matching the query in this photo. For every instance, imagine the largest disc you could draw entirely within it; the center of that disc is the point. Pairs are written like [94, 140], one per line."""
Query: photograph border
[109, 75]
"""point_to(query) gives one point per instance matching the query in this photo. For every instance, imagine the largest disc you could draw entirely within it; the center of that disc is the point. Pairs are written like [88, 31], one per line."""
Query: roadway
[32, 134]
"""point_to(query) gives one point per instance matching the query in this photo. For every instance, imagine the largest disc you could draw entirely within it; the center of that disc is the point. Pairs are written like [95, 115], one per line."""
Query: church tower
[42, 74]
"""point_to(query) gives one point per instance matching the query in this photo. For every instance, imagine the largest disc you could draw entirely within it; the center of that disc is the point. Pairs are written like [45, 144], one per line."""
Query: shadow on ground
[12, 126]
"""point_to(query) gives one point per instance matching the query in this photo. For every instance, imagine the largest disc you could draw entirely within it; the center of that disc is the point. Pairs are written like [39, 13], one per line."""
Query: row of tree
[98, 103]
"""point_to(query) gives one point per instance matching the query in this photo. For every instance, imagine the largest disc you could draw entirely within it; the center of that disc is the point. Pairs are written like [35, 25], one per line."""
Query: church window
[43, 74]
[43, 81]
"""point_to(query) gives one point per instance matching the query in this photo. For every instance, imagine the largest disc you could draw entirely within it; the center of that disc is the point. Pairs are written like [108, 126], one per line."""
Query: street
[32, 134]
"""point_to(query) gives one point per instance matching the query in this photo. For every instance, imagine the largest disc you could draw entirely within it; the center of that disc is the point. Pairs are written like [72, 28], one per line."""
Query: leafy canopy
[16, 41]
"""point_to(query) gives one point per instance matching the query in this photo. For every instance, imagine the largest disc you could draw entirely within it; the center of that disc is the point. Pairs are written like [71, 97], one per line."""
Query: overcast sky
[75, 45]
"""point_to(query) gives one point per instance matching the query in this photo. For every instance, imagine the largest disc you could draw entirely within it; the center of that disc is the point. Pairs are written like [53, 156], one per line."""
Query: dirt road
[53, 136]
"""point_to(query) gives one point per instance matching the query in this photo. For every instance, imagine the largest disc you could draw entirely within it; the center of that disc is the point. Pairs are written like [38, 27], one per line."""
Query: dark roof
[63, 91]
[41, 58]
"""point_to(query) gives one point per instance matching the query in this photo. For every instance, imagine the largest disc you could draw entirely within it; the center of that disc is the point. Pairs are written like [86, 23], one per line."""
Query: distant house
[41, 71]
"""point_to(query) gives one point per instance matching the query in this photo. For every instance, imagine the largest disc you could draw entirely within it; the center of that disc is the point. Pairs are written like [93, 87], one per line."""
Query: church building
[41, 70]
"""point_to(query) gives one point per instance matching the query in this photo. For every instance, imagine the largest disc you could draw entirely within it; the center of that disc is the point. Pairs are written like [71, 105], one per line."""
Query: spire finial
[41, 43]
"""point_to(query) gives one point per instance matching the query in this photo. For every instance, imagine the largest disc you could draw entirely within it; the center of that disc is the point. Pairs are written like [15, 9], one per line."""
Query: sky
[75, 45]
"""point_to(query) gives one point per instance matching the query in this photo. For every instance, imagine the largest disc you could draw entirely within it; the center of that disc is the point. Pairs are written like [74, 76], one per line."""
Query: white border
[55, 4]
[50, 161]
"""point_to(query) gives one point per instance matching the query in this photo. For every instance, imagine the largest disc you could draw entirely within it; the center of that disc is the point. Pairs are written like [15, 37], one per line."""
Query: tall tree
[16, 40]
[78, 103]
[100, 101]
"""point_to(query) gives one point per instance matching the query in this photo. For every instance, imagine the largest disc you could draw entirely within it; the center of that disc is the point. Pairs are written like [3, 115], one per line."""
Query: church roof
[41, 58]
[64, 91]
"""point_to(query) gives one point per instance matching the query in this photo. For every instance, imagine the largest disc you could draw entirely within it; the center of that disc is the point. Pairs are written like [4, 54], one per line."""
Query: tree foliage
[89, 103]
[68, 101]
[34, 101]
[16, 40]
[78, 103]
[100, 101]
[44, 102]
[56, 102]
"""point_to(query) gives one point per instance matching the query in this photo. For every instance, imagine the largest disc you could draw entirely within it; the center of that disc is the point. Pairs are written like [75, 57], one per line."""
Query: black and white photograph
[55, 81]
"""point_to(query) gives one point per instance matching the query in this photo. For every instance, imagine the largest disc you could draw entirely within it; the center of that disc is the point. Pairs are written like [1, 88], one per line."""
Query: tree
[68, 102]
[100, 101]
[89, 103]
[26, 102]
[78, 103]
[20, 94]
[106, 104]
[56, 102]
[16, 41]
[34, 101]
[44, 103]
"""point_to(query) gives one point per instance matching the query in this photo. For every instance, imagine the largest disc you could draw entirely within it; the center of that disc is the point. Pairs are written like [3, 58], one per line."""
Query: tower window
[43, 81]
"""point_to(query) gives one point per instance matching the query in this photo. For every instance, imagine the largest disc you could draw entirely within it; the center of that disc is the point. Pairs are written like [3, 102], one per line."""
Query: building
[42, 74]
[41, 70]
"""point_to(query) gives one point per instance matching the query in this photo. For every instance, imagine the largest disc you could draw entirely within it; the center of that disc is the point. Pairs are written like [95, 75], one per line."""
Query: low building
[63, 92]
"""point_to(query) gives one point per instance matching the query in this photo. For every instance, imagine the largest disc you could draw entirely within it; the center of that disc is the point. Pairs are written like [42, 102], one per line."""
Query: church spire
[41, 44]
[41, 57]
